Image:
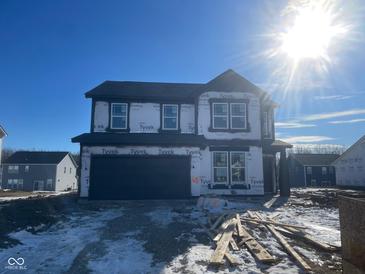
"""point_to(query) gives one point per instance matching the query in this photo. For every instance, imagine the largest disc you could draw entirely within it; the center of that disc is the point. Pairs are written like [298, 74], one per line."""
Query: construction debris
[231, 232]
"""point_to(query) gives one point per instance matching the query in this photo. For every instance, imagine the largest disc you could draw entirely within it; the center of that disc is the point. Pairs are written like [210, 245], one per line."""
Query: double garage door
[139, 177]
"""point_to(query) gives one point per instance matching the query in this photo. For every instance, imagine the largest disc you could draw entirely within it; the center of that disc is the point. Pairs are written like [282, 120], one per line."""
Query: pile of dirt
[33, 215]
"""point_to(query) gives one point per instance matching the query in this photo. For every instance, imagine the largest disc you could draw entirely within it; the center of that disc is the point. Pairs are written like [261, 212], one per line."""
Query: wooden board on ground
[272, 223]
[255, 248]
[217, 222]
[269, 203]
[227, 255]
[222, 245]
[307, 238]
[286, 245]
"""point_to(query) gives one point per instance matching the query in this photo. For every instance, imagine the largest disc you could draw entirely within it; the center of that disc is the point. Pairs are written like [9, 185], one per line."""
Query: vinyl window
[267, 124]
[170, 117]
[26, 169]
[220, 167]
[119, 115]
[220, 116]
[309, 170]
[238, 116]
[238, 167]
[324, 170]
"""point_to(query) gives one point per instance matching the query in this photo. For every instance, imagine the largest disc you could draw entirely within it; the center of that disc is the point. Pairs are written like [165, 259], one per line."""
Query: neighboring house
[350, 166]
[312, 170]
[176, 140]
[2, 135]
[40, 171]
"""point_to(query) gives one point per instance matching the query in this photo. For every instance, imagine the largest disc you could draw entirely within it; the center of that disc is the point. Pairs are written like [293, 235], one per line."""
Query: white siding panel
[144, 117]
[101, 116]
[187, 118]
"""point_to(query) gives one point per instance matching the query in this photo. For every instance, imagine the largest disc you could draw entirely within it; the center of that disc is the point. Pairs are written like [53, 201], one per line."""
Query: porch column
[284, 175]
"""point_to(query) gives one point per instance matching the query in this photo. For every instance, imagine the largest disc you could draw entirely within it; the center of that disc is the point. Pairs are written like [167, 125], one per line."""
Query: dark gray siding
[35, 173]
[296, 173]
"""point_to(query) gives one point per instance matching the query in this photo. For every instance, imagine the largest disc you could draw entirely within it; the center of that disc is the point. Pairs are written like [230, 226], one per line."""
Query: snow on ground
[106, 241]
[35, 194]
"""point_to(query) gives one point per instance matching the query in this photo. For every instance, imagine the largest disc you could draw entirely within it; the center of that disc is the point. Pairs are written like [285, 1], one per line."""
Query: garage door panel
[152, 177]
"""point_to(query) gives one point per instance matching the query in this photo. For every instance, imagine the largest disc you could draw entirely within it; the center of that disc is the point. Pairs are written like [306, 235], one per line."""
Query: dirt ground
[60, 235]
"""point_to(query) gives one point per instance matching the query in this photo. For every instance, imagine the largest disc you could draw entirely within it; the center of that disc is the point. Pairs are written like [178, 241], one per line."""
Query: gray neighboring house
[40, 171]
[2, 135]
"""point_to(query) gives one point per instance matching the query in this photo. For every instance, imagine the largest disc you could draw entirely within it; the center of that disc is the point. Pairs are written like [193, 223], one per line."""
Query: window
[220, 167]
[309, 170]
[170, 117]
[237, 167]
[20, 184]
[26, 169]
[238, 116]
[220, 115]
[64, 170]
[227, 116]
[13, 169]
[70, 170]
[15, 183]
[119, 115]
[324, 170]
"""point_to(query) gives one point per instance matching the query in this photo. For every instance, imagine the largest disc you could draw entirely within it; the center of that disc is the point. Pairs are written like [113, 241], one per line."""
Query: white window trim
[220, 115]
[227, 167]
[163, 116]
[230, 166]
[233, 116]
[111, 116]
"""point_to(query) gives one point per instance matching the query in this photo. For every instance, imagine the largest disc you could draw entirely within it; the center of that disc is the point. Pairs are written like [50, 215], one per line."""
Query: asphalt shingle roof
[36, 157]
[309, 159]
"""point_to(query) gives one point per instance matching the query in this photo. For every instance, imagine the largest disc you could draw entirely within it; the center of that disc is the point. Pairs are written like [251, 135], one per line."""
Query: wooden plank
[239, 226]
[227, 255]
[269, 203]
[223, 226]
[286, 245]
[222, 245]
[217, 222]
[307, 238]
[233, 245]
[272, 223]
[255, 248]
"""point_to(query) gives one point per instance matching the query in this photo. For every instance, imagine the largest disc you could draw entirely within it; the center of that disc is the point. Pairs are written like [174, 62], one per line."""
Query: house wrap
[151, 140]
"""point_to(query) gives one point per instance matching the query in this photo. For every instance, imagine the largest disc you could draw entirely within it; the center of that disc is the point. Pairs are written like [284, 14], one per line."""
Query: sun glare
[312, 32]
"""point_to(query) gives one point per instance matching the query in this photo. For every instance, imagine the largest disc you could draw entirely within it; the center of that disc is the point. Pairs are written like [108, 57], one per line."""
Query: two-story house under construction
[152, 140]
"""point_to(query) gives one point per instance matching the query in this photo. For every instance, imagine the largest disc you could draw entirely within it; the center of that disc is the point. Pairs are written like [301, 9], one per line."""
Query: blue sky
[52, 52]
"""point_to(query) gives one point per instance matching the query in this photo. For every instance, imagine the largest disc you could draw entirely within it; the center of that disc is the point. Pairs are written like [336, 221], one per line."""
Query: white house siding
[350, 167]
[66, 180]
[204, 116]
[201, 166]
[101, 116]
[144, 117]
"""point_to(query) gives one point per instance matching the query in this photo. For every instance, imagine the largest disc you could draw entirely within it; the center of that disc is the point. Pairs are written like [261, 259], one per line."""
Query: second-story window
[13, 169]
[220, 115]
[267, 124]
[170, 117]
[238, 116]
[119, 115]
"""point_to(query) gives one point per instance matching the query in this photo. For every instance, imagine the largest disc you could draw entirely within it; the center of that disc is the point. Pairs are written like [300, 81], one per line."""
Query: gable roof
[308, 159]
[228, 81]
[37, 157]
[2, 132]
[360, 141]
[116, 89]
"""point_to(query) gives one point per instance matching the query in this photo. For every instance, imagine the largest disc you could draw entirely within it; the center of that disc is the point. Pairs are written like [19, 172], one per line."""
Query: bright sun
[312, 32]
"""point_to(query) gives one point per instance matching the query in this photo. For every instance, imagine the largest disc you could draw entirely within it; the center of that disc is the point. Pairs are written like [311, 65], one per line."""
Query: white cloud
[329, 115]
[333, 97]
[347, 121]
[292, 124]
[306, 139]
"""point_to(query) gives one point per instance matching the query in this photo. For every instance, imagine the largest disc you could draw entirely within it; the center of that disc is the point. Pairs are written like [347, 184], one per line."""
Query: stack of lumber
[230, 232]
